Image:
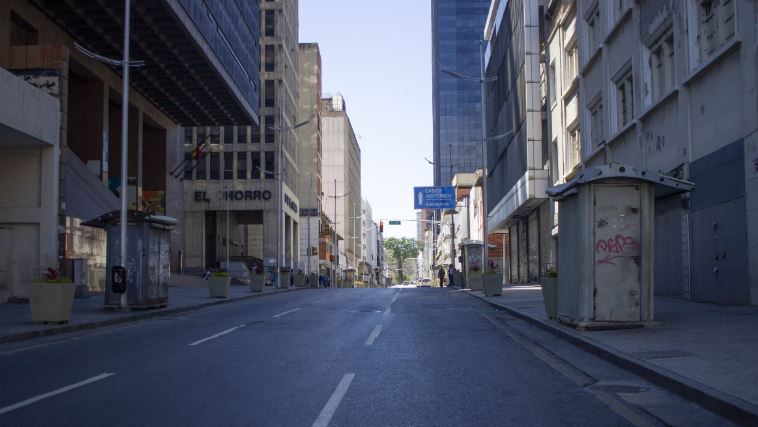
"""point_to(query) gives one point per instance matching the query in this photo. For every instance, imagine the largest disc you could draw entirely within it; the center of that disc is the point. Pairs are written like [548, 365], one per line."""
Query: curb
[149, 314]
[723, 404]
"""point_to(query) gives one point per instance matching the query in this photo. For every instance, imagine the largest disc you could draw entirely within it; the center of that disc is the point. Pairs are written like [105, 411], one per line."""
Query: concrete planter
[51, 302]
[218, 287]
[313, 280]
[284, 280]
[493, 284]
[299, 280]
[550, 295]
[475, 281]
[257, 282]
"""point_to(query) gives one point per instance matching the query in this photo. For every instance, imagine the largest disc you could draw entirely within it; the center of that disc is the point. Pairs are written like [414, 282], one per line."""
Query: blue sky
[377, 54]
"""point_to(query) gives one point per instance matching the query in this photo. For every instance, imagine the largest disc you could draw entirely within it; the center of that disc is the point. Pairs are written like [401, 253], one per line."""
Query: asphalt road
[342, 357]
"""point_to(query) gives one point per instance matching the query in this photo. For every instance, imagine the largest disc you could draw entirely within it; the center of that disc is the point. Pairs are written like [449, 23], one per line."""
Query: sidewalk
[707, 353]
[185, 293]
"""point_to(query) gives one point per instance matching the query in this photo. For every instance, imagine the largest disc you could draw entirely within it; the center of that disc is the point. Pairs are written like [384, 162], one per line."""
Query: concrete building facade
[668, 86]
[517, 164]
[252, 171]
[309, 155]
[341, 164]
[75, 176]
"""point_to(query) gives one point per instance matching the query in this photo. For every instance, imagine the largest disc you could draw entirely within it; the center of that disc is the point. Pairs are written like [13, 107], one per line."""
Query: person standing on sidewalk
[451, 275]
[441, 276]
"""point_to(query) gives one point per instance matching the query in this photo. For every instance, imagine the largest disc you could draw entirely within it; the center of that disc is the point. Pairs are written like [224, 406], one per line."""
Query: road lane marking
[334, 402]
[388, 311]
[228, 331]
[286, 312]
[319, 300]
[54, 393]
[374, 334]
[395, 297]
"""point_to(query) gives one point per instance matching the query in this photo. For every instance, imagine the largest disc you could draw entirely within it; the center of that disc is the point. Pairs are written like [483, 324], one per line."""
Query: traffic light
[381, 226]
[331, 258]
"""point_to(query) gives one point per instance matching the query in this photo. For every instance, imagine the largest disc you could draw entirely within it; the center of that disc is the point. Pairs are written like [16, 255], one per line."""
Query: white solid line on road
[319, 300]
[286, 312]
[217, 335]
[374, 334]
[331, 406]
[54, 392]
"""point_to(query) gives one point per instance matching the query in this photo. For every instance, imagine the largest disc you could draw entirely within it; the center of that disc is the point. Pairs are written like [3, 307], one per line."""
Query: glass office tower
[457, 27]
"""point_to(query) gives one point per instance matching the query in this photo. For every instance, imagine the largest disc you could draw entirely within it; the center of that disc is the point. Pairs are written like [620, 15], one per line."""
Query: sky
[380, 61]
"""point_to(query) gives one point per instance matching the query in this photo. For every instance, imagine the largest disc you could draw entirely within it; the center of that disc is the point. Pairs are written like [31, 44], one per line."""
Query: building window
[187, 136]
[596, 123]
[22, 33]
[200, 168]
[228, 134]
[573, 149]
[200, 135]
[255, 165]
[625, 100]
[215, 167]
[269, 93]
[188, 163]
[618, 8]
[269, 58]
[270, 23]
[552, 89]
[594, 31]
[269, 132]
[661, 66]
[716, 25]
[215, 135]
[572, 64]
[255, 135]
[241, 165]
[269, 166]
[228, 165]
[242, 134]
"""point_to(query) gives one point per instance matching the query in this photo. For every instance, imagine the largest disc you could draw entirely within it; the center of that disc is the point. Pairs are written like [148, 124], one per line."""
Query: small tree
[400, 250]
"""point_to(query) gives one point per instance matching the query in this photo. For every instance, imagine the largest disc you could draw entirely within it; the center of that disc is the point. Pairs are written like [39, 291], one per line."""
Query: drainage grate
[661, 354]
[619, 388]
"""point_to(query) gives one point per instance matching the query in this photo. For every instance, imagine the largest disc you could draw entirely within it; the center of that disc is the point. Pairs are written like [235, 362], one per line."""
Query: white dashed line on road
[334, 402]
[54, 393]
[319, 300]
[286, 312]
[216, 335]
[395, 297]
[374, 334]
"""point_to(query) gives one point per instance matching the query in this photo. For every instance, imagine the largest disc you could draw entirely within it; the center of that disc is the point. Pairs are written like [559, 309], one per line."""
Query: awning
[664, 185]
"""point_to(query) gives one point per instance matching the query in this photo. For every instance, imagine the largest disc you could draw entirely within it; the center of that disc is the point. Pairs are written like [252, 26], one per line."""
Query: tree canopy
[401, 249]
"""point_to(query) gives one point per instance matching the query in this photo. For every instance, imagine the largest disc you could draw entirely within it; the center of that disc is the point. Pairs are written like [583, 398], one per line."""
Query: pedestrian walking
[441, 276]
[451, 275]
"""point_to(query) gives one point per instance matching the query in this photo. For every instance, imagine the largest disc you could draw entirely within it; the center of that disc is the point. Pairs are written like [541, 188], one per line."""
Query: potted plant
[284, 279]
[550, 292]
[51, 298]
[218, 284]
[475, 276]
[257, 280]
[492, 280]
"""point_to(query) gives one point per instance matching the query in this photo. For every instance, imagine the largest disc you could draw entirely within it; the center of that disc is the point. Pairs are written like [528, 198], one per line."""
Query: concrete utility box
[472, 263]
[605, 245]
[148, 262]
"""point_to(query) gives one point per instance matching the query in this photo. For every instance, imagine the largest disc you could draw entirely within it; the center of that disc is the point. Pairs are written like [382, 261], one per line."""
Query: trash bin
[148, 263]
[605, 245]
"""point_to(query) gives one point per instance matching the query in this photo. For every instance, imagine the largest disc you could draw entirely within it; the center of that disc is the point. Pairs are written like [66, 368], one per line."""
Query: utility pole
[336, 242]
[485, 211]
[308, 254]
[226, 204]
[125, 146]
[281, 191]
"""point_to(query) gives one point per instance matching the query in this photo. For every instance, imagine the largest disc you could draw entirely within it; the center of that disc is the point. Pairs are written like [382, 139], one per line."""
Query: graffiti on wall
[610, 249]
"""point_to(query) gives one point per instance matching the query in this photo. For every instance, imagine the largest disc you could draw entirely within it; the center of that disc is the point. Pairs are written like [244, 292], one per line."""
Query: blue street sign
[434, 198]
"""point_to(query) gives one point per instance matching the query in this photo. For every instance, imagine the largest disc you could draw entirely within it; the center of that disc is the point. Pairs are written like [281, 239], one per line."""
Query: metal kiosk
[148, 266]
[473, 251]
[605, 245]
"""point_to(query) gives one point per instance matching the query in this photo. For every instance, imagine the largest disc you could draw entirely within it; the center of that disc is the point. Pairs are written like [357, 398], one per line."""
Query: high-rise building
[251, 172]
[309, 155]
[457, 28]
[342, 178]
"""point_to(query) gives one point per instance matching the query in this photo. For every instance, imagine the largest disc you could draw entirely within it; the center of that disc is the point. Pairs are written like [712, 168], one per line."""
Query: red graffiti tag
[614, 248]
